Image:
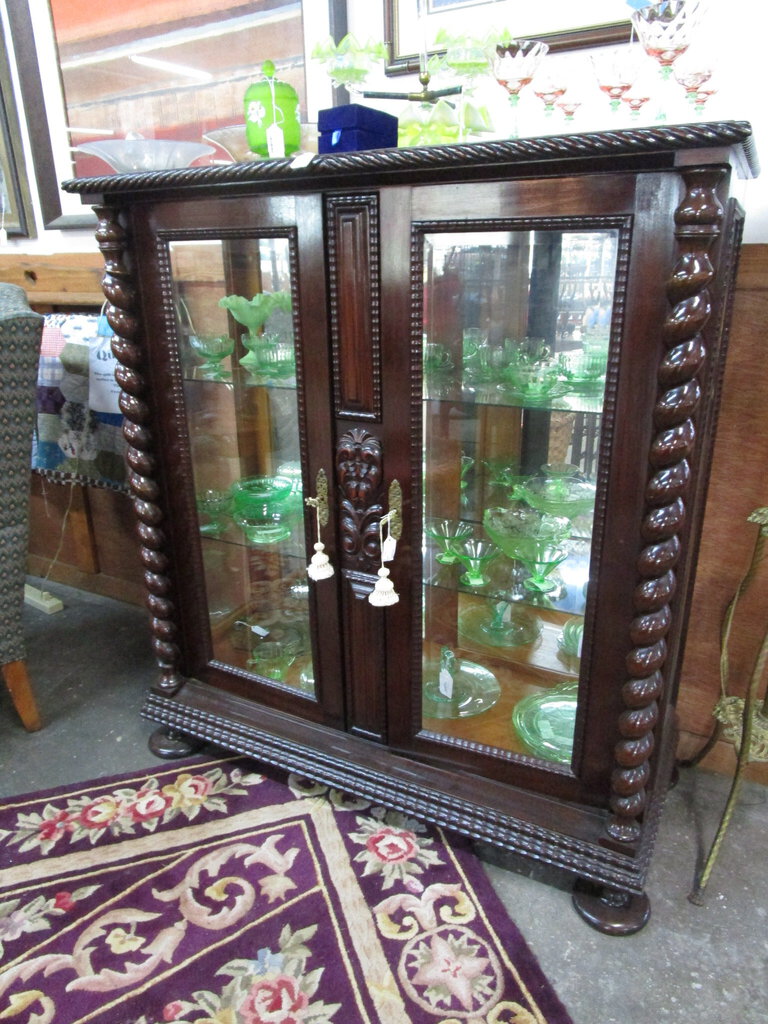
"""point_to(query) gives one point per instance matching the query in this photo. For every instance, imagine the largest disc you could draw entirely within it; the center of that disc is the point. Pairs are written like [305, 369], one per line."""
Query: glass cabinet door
[516, 331]
[234, 308]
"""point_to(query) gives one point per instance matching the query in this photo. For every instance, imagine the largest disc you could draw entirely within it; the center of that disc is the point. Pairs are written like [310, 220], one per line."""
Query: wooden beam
[59, 279]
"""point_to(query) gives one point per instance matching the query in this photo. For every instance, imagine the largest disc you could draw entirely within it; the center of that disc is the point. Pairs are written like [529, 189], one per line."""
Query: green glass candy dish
[456, 688]
[269, 358]
[546, 721]
[259, 508]
[531, 537]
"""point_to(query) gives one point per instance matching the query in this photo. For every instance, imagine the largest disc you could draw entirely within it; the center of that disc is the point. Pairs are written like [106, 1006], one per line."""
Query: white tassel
[319, 567]
[383, 594]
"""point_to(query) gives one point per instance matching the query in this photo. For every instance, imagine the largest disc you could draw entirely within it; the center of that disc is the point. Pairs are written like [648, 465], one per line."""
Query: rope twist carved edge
[698, 221]
[119, 288]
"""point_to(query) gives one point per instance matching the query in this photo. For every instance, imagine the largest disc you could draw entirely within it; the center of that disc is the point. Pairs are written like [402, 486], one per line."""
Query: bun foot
[169, 744]
[611, 911]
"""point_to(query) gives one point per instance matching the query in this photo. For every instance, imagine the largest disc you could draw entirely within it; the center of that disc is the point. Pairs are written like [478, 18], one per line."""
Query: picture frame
[16, 216]
[559, 23]
[51, 137]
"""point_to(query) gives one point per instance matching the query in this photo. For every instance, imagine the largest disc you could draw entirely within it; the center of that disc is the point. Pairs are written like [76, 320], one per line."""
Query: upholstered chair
[20, 334]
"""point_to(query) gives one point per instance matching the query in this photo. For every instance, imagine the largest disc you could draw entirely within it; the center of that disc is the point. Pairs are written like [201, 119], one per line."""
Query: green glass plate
[545, 722]
[475, 689]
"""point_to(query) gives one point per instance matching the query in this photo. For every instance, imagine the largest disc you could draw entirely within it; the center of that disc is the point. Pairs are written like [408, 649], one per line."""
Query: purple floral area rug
[205, 892]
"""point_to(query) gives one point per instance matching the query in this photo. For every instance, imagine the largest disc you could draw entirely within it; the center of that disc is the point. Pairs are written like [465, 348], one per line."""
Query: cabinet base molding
[430, 793]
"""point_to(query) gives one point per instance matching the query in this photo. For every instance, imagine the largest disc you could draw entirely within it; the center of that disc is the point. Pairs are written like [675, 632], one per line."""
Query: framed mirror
[171, 72]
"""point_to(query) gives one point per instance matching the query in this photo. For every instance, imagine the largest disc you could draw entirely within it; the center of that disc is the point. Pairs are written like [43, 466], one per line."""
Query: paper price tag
[445, 683]
[388, 548]
[275, 141]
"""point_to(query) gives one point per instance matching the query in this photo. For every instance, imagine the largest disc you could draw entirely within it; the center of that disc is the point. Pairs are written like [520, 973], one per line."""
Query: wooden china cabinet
[495, 366]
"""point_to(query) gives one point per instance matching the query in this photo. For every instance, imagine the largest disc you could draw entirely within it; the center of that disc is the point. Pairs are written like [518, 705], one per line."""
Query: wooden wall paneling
[58, 280]
[95, 527]
[738, 485]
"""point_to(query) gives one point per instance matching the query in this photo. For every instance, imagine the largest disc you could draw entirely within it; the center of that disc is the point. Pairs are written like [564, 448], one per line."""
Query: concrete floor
[90, 664]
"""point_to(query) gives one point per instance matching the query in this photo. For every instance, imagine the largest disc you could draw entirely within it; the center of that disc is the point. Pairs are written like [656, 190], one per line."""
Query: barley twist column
[119, 289]
[698, 223]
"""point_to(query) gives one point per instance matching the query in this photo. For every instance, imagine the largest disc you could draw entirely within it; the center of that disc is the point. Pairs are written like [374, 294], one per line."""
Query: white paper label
[445, 683]
[275, 141]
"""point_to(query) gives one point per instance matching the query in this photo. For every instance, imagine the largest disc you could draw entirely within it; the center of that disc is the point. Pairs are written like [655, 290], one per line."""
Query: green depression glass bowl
[545, 722]
[557, 495]
[260, 509]
[255, 491]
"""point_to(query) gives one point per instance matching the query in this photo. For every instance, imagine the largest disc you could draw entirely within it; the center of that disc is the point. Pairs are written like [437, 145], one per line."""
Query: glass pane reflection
[515, 352]
[233, 304]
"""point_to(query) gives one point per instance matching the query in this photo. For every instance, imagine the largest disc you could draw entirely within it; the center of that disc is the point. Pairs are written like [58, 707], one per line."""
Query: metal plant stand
[742, 721]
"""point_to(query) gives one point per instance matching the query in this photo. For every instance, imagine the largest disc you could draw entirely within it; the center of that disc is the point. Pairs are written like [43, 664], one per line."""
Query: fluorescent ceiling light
[179, 37]
[173, 69]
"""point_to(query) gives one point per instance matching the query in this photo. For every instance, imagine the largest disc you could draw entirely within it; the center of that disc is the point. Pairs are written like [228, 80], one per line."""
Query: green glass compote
[213, 349]
[260, 508]
[532, 538]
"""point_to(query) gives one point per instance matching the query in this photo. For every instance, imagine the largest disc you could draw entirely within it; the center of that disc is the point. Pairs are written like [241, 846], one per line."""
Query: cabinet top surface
[640, 148]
